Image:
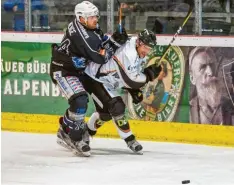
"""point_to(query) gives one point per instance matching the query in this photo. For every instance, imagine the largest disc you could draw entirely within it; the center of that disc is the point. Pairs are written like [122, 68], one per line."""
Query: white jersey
[122, 70]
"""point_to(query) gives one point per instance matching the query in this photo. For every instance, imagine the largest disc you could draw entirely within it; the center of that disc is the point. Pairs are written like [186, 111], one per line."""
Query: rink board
[144, 130]
[37, 116]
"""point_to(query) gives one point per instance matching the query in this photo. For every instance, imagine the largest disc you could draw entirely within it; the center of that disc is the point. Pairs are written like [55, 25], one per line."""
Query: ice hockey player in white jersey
[123, 70]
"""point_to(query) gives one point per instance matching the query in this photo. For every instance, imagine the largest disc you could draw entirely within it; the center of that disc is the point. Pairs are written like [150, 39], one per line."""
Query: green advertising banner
[26, 85]
[165, 99]
[27, 88]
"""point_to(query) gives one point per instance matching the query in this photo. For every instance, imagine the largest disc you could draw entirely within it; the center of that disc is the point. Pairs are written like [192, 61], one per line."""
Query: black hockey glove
[152, 72]
[111, 44]
[136, 94]
[115, 41]
[120, 38]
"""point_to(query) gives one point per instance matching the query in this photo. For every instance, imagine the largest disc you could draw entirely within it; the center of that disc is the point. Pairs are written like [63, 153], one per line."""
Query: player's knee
[75, 115]
[116, 107]
[117, 111]
[79, 104]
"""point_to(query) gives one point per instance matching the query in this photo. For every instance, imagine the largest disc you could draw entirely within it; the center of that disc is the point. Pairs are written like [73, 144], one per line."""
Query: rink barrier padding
[144, 130]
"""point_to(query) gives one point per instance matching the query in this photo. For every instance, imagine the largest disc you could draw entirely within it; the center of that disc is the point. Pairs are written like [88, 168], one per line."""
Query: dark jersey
[79, 42]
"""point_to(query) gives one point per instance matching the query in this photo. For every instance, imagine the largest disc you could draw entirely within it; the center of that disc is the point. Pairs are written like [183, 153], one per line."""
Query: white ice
[35, 159]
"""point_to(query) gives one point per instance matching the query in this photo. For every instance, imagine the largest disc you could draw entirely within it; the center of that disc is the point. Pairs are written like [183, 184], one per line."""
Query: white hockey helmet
[86, 9]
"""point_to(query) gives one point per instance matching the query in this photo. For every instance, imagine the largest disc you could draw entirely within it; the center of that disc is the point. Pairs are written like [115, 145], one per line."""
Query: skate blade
[63, 144]
[81, 154]
[139, 152]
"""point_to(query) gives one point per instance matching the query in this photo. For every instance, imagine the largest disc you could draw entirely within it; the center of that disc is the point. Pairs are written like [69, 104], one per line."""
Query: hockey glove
[79, 63]
[108, 42]
[136, 94]
[115, 41]
[152, 72]
[120, 38]
[109, 47]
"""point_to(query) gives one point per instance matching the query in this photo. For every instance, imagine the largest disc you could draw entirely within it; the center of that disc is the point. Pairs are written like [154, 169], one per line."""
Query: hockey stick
[190, 11]
[120, 16]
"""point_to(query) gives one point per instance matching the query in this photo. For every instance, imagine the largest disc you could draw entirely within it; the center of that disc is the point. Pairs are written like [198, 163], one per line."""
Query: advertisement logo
[161, 97]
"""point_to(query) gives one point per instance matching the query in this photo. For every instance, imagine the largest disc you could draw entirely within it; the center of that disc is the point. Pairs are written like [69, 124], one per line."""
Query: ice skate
[86, 136]
[80, 148]
[88, 133]
[134, 145]
[63, 138]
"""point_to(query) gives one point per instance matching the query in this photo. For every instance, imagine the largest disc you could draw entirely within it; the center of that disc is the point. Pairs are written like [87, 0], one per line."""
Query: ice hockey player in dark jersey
[83, 42]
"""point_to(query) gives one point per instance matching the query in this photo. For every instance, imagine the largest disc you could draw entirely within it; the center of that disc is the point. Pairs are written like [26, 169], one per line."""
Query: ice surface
[35, 159]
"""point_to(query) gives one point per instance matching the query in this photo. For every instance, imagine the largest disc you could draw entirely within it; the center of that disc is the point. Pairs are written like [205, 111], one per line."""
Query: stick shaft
[120, 16]
[177, 33]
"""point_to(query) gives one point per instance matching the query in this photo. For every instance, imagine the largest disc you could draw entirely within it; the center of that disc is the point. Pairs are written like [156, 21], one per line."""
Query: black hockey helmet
[148, 38]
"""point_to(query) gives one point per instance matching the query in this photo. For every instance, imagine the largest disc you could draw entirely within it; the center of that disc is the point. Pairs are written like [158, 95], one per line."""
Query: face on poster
[211, 88]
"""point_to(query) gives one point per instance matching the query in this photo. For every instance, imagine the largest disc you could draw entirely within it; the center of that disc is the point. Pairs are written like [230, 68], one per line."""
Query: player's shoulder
[131, 43]
[129, 48]
[72, 28]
